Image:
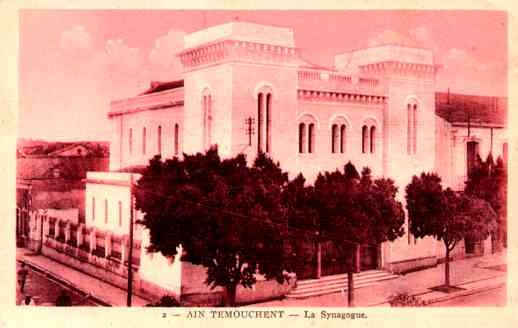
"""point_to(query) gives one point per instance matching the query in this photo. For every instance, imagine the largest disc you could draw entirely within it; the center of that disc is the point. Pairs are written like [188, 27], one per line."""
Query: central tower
[241, 87]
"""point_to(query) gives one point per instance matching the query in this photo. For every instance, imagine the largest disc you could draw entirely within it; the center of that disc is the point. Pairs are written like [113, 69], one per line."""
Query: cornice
[221, 50]
[333, 96]
[400, 68]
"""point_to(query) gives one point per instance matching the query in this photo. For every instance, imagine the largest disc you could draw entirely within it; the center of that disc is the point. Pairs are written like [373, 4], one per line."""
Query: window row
[338, 138]
[106, 216]
[176, 138]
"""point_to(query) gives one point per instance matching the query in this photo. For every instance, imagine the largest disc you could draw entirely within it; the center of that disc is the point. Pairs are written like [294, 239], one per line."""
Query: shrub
[165, 301]
[403, 299]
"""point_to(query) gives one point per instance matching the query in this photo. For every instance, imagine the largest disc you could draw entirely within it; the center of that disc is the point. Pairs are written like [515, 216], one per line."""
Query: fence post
[56, 228]
[67, 231]
[79, 235]
[107, 244]
[92, 239]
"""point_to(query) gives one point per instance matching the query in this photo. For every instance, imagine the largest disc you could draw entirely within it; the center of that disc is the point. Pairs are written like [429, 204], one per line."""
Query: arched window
[334, 138]
[412, 127]
[260, 123]
[144, 140]
[365, 138]
[159, 141]
[130, 141]
[342, 138]
[302, 137]
[311, 138]
[338, 138]
[207, 118]
[176, 136]
[264, 121]
[268, 122]
[372, 139]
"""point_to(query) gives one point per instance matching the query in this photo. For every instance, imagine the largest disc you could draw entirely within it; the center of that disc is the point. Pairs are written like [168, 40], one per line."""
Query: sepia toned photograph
[262, 158]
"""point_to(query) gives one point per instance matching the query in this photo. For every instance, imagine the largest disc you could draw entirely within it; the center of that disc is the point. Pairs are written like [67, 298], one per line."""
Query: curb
[464, 293]
[60, 280]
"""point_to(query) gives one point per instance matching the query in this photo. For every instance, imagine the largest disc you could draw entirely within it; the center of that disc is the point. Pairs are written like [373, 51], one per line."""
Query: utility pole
[249, 123]
[130, 253]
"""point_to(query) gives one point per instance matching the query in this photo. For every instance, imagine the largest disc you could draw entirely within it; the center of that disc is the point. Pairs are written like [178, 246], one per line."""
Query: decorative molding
[332, 96]
[313, 116]
[400, 68]
[230, 49]
[336, 117]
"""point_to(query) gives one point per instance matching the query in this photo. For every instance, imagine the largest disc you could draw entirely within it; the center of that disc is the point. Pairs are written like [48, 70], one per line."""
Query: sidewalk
[470, 274]
[99, 290]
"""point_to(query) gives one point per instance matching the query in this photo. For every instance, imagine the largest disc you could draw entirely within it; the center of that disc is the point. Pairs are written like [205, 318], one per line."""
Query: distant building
[50, 175]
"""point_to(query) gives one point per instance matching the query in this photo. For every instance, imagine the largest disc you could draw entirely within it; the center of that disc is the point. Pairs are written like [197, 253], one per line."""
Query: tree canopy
[227, 216]
[488, 180]
[446, 215]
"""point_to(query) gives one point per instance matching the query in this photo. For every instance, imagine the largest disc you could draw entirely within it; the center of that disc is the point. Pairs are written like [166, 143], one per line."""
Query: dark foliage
[446, 215]
[227, 216]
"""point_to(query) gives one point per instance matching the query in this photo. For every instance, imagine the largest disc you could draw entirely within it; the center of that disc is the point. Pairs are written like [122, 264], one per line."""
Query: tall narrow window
[159, 141]
[311, 138]
[302, 137]
[268, 122]
[93, 208]
[260, 123]
[365, 138]
[471, 156]
[342, 138]
[130, 141]
[373, 139]
[411, 128]
[105, 210]
[144, 140]
[176, 132]
[207, 119]
[120, 214]
[414, 129]
[334, 138]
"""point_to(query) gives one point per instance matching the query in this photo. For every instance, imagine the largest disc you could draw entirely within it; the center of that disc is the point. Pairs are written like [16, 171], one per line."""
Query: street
[45, 291]
[493, 297]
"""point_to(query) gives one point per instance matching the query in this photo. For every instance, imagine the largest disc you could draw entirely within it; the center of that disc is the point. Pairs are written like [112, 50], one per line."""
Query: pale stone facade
[376, 108]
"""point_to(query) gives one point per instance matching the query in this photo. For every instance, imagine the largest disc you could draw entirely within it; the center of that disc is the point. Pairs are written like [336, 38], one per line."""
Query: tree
[227, 216]
[488, 181]
[446, 215]
[355, 210]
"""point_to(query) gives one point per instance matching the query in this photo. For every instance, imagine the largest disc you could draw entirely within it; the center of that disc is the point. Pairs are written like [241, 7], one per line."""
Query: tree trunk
[350, 288]
[318, 272]
[230, 295]
[447, 268]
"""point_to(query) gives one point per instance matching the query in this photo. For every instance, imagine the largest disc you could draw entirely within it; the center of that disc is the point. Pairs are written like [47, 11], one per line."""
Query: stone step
[342, 285]
[342, 277]
[337, 283]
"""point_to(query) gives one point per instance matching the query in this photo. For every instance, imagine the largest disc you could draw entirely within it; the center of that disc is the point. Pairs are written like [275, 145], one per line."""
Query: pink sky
[73, 63]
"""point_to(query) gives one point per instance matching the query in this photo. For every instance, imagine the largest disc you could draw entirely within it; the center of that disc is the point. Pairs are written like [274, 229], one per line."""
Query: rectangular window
[130, 141]
[105, 210]
[120, 214]
[176, 136]
[144, 141]
[93, 208]
[159, 141]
